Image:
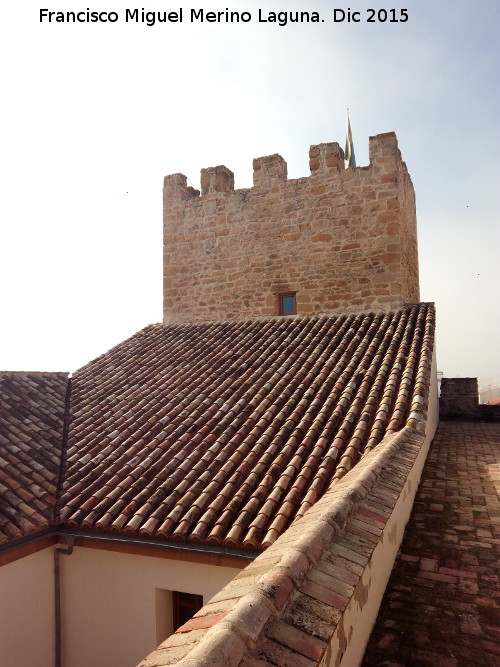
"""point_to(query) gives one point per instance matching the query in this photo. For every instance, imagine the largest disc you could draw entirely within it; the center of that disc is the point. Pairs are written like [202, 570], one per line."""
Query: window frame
[195, 604]
[283, 295]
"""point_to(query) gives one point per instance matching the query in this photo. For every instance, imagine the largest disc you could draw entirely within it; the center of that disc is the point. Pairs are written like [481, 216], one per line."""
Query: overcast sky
[95, 114]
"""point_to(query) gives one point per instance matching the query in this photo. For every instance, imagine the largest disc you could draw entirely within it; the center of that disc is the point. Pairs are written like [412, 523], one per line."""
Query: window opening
[184, 607]
[287, 303]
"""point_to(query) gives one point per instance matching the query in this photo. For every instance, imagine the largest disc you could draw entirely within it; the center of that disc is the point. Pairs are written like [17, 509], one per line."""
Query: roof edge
[129, 541]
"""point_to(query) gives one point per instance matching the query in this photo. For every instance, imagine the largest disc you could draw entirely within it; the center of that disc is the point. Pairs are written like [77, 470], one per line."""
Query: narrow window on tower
[287, 303]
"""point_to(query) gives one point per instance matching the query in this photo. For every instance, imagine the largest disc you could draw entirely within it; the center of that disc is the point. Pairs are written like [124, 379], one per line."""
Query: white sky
[94, 115]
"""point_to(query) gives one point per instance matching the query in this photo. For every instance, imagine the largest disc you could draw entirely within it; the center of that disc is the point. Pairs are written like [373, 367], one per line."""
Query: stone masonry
[459, 398]
[342, 240]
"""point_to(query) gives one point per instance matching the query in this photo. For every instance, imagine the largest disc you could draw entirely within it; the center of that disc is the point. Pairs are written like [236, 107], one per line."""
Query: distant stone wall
[343, 240]
[459, 398]
[488, 412]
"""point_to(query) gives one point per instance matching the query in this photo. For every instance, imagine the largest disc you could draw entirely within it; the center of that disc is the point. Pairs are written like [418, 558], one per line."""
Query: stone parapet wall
[312, 597]
[343, 240]
[459, 398]
[488, 412]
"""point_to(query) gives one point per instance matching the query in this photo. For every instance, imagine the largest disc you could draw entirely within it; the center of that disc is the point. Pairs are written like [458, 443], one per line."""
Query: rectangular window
[287, 303]
[185, 606]
[173, 609]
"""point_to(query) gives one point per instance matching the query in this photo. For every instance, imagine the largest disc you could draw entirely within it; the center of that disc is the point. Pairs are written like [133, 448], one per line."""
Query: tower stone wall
[341, 240]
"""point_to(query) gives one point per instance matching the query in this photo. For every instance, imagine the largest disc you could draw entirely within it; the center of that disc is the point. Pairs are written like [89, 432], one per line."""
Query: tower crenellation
[216, 179]
[326, 156]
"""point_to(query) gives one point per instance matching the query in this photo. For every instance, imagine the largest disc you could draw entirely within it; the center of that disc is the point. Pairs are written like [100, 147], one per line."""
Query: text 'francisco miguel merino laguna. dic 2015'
[150, 18]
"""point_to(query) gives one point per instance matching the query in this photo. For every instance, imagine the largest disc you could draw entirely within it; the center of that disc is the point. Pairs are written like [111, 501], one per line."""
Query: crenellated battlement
[339, 240]
[272, 169]
[326, 156]
[217, 179]
[267, 170]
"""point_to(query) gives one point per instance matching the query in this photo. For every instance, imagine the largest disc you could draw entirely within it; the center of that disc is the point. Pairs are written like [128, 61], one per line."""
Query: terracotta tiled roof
[224, 433]
[32, 408]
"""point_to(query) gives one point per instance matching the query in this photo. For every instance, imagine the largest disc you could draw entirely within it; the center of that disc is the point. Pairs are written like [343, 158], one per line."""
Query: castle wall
[343, 240]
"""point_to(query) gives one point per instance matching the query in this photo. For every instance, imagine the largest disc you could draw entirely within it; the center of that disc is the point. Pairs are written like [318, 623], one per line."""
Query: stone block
[326, 156]
[268, 169]
[216, 179]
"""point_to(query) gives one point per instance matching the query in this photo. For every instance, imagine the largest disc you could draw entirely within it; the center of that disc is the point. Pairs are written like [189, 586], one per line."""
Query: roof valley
[63, 452]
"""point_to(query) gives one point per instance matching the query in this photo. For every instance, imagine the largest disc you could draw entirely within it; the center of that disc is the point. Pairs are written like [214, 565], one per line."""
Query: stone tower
[340, 240]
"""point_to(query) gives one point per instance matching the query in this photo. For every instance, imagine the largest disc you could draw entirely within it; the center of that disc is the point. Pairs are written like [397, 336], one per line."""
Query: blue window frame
[287, 303]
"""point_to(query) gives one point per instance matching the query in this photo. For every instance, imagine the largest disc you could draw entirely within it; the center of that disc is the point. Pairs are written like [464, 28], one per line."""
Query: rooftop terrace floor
[442, 605]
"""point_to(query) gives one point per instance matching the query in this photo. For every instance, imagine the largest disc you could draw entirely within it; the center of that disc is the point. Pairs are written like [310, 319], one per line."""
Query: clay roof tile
[220, 432]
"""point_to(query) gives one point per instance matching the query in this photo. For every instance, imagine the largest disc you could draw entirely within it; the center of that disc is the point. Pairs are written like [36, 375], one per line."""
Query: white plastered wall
[27, 622]
[109, 602]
